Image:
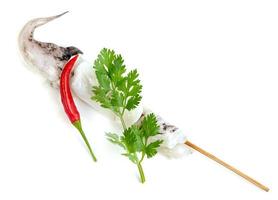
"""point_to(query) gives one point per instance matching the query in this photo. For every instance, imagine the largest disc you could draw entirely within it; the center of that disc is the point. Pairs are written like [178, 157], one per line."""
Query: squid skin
[173, 137]
[50, 59]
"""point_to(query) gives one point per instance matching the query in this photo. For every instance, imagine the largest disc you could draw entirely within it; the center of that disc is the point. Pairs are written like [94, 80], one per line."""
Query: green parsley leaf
[116, 91]
[132, 139]
[114, 138]
[119, 91]
[151, 149]
[132, 157]
[149, 125]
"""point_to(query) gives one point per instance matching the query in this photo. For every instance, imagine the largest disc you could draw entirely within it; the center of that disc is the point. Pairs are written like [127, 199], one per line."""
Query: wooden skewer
[221, 162]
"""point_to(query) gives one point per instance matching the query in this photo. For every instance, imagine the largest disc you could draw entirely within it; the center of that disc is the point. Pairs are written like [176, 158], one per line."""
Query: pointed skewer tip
[224, 164]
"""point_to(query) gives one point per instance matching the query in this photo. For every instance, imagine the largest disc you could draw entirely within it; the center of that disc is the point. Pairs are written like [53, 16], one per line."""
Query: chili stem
[78, 126]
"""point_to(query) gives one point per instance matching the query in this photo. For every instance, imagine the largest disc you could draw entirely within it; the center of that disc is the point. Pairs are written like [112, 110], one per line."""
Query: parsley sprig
[119, 91]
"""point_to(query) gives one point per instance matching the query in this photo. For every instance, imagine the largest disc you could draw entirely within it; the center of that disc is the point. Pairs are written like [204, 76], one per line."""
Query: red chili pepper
[68, 102]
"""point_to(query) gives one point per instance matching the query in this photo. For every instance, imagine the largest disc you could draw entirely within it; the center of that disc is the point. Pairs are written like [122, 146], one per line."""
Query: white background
[209, 67]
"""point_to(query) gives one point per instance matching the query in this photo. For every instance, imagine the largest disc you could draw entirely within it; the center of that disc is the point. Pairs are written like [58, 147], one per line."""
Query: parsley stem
[123, 122]
[139, 166]
[142, 158]
[141, 171]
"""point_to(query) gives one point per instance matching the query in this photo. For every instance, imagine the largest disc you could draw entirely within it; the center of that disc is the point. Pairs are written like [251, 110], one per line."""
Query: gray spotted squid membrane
[49, 59]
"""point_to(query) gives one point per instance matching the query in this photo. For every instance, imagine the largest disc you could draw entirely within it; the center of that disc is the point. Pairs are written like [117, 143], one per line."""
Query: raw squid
[173, 138]
[50, 58]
